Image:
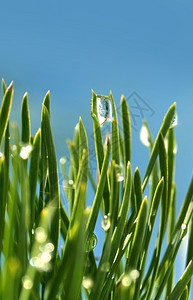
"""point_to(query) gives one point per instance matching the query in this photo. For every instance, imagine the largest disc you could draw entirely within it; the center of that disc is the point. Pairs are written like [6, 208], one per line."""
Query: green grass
[47, 253]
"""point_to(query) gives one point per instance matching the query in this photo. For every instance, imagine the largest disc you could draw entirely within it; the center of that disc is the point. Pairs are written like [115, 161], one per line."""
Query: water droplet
[27, 282]
[174, 122]
[1, 154]
[104, 110]
[144, 136]
[92, 242]
[126, 281]
[183, 227]
[68, 184]
[119, 173]
[62, 160]
[36, 262]
[134, 274]
[48, 248]
[87, 283]
[105, 267]
[106, 222]
[45, 257]
[40, 235]
[25, 152]
[14, 150]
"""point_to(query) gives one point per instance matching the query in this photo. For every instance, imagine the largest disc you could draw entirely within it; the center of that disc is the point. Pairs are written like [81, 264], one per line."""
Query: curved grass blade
[52, 176]
[25, 121]
[5, 110]
[181, 217]
[163, 129]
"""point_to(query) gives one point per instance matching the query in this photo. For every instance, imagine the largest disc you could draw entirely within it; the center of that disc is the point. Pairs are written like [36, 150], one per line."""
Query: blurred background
[141, 49]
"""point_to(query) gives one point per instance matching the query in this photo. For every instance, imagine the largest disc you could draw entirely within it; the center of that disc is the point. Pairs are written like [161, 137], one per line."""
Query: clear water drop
[174, 122]
[25, 151]
[104, 110]
[105, 267]
[144, 136]
[1, 154]
[68, 184]
[87, 283]
[27, 282]
[119, 173]
[62, 160]
[48, 248]
[126, 281]
[106, 222]
[92, 242]
[40, 235]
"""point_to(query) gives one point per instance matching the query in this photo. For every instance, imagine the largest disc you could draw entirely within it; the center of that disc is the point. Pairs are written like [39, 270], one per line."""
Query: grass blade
[5, 110]
[25, 121]
[163, 129]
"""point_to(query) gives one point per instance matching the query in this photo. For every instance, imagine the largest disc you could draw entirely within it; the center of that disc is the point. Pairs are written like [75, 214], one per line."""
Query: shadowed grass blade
[25, 120]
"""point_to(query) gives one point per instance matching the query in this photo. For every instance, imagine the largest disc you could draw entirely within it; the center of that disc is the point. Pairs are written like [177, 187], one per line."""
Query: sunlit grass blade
[5, 110]
[115, 146]
[122, 215]
[133, 258]
[52, 176]
[99, 194]
[25, 120]
[126, 122]
[67, 278]
[163, 129]
[4, 86]
[97, 132]
[183, 281]
[181, 217]
[36, 264]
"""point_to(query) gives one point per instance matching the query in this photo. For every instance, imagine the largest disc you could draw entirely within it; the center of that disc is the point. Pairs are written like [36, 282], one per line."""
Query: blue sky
[72, 47]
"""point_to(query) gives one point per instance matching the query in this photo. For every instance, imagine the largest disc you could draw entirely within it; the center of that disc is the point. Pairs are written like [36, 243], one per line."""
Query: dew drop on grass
[1, 154]
[27, 282]
[144, 136]
[130, 278]
[105, 267]
[92, 242]
[48, 248]
[40, 235]
[87, 283]
[106, 222]
[119, 173]
[104, 110]
[25, 152]
[174, 122]
[68, 184]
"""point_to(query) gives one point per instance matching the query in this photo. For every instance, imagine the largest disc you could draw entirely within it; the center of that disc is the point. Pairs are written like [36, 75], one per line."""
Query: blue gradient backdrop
[73, 47]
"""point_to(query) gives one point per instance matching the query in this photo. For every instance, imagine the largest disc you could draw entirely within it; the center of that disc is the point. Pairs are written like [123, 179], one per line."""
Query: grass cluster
[47, 253]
